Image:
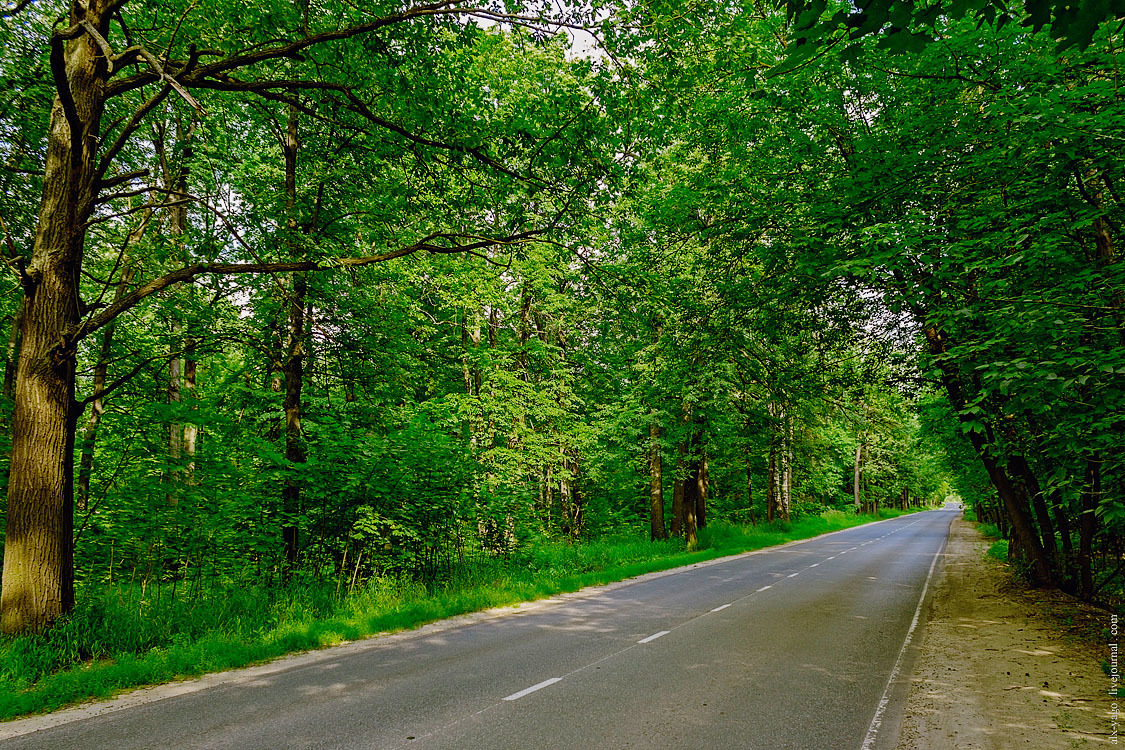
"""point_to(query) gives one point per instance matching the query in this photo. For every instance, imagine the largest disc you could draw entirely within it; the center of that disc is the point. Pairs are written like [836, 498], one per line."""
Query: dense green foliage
[461, 292]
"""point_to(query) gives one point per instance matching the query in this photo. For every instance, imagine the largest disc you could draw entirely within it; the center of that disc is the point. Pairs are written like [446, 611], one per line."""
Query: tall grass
[122, 636]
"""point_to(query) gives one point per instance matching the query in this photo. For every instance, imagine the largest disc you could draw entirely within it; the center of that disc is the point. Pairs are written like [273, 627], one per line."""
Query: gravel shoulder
[1002, 666]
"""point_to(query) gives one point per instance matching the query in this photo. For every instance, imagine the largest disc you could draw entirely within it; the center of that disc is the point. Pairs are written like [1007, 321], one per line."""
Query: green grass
[120, 637]
[999, 550]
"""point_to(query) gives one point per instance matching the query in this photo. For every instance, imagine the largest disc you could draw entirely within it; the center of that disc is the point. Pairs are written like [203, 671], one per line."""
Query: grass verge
[120, 637]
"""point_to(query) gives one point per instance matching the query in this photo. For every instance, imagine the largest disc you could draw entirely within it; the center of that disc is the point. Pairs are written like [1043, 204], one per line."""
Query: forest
[298, 293]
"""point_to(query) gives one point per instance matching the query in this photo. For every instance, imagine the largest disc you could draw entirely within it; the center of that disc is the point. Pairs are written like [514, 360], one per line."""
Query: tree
[99, 66]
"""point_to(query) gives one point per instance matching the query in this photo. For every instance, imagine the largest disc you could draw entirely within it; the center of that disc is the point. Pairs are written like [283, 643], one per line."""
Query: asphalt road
[797, 647]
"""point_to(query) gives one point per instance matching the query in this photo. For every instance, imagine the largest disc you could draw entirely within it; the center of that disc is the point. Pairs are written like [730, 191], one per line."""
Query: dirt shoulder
[1002, 666]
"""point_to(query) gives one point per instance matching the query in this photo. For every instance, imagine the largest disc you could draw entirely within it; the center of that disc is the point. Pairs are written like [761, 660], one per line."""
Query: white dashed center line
[654, 636]
[720, 608]
[532, 689]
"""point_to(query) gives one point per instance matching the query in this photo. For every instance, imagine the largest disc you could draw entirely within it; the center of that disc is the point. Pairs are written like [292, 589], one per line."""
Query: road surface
[803, 646]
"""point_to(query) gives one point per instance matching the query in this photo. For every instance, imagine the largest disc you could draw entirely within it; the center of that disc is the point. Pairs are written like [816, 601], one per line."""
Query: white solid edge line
[532, 689]
[877, 720]
[720, 608]
[654, 636]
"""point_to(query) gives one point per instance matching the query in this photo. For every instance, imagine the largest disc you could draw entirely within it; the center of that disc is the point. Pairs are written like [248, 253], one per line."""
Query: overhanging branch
[450, 244]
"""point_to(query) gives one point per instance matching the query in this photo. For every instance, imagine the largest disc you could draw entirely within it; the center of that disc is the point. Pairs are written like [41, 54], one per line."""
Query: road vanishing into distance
[803, 646]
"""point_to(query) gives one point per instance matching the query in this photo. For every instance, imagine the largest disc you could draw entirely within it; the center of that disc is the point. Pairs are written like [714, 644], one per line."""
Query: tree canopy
[294, 287]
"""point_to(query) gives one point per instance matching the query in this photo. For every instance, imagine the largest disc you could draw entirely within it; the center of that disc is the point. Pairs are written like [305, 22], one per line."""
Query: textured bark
[701, 493]
[38, 579]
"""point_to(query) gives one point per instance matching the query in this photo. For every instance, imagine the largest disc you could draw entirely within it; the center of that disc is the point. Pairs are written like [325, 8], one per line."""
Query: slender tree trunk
[293, 376]
[656, 484]
[857, 474]
[701, 493]
[191, 429]
[691, 489]
[38, 578]
[786, 495]
[101, 371]
[293, 365]
[175, 429]
[771, 482]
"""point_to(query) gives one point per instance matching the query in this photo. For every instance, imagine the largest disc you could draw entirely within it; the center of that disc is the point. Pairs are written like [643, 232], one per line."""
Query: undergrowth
[121, 636]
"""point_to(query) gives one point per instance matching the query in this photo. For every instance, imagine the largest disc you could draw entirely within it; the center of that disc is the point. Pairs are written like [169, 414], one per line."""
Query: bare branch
[293, 49]
[122, 178]
[99, 40]
[155, 64]
[62, 84]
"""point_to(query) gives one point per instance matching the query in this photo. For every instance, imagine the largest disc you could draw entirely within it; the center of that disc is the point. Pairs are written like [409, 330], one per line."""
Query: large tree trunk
[656, 484]
[1026, 541]
[38, 579]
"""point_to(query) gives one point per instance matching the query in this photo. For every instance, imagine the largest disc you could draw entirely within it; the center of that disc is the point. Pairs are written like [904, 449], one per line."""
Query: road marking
[843, 553]
[829, 558]
[532, 689]
[654, 636]
[720, 608]
[877, 720]
[814, 565]
[793, 575]
[764, 588]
